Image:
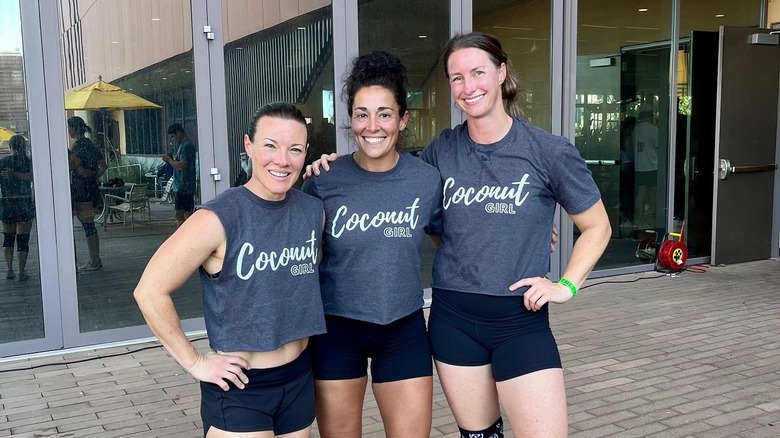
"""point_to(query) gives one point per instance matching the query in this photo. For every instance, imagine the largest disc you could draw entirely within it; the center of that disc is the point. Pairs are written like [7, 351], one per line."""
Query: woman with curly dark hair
[379, 205]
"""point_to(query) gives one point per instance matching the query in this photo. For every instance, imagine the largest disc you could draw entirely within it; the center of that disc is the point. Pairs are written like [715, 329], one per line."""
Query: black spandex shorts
[398, 350]
[472, 330]
[184, 201]
[279, 399]
[15, 210]
[649, 178]
[85, 191]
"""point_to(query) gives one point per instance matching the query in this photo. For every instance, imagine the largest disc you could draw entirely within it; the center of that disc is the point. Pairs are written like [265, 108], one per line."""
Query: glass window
[622, 122]
[273, 54]
[419, 46]
[524, 31]
[122, 193]
[21, 306]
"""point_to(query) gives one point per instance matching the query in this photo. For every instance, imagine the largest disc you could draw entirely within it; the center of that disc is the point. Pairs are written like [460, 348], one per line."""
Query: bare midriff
[270, 359]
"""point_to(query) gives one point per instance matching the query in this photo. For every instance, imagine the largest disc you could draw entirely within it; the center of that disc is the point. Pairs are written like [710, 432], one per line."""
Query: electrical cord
[697, 269]
[99, 356]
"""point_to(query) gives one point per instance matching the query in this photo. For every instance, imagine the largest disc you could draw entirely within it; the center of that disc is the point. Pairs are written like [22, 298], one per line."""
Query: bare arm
[199, 241]
[596, 231]
[176, 164]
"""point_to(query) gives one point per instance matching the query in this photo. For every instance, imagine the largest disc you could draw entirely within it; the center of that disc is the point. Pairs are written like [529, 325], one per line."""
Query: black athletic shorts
[16, 210]
[469, 329]
[398, 351]
[184, 201]
[279, 399]
[85, 191]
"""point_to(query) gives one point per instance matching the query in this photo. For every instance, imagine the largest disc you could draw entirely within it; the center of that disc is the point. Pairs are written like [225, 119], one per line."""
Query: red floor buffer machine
[669, 253]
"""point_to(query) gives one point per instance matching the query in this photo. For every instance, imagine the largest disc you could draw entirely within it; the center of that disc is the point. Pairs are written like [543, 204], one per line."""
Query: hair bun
[378, 64]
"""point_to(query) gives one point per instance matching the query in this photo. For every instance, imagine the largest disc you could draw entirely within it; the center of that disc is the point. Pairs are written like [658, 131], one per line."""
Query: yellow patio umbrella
[6, 134]
[101, 95]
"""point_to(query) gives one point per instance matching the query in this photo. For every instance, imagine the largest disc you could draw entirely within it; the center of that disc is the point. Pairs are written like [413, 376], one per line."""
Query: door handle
[726, 168]
[603, 162]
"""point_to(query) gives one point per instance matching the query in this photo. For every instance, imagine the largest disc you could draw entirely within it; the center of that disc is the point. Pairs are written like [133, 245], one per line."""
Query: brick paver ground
[695, 355]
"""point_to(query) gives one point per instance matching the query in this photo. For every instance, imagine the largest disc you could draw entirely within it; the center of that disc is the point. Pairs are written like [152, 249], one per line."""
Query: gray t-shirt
[375, 227]
[499, 201]
[268, 292]
[184, 180]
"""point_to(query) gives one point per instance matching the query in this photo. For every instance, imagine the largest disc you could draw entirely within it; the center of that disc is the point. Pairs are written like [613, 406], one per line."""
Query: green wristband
[566, 282]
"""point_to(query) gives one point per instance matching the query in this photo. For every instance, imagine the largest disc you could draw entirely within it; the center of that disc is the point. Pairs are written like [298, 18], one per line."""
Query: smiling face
[376, 123]
[277, 153]
[475, 82]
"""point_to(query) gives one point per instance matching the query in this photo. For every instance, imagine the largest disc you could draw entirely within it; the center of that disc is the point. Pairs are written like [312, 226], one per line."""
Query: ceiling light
[422, 37]
[156, 19]
[114, 42]
[642, 9]
[719, 15]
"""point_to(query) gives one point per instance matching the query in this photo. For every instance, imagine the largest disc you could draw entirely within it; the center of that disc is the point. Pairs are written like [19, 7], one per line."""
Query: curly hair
[381, 69]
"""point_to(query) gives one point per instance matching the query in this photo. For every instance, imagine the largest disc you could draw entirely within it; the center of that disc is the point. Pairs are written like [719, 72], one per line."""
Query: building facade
[609, 75]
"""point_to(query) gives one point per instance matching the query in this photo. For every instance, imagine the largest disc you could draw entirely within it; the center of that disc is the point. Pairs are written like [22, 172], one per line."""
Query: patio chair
[167, 194]
[135, 202]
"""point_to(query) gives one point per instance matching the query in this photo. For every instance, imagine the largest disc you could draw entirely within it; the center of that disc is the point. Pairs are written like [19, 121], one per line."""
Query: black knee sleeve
[494, 431]
[8, 240]
[23, 243]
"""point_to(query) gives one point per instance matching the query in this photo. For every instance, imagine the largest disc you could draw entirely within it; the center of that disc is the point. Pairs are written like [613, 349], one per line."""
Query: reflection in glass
[278, 59]
[127, 214]
[524, 31]
[621, 119]
[21, 307]
[425, 31]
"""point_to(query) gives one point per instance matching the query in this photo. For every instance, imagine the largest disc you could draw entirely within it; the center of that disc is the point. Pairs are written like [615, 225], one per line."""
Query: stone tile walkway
[646, 355]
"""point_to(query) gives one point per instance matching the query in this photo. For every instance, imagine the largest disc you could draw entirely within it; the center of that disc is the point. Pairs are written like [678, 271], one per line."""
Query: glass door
[133, 154]
[21, 298]
[621, 119]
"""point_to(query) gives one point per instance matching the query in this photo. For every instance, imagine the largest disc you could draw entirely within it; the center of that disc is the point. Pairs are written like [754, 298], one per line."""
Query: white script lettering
[274, 260]
[470, 195]
[365, 221]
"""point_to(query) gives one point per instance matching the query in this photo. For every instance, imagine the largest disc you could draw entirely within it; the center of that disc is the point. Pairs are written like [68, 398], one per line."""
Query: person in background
[256, 249]
[380, 204]
[18, 207]
[645, 147]
[184, 173]
[86, 164]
